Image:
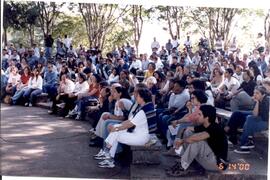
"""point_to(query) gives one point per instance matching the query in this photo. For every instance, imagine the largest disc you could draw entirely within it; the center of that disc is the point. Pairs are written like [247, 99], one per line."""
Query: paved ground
[34, 143]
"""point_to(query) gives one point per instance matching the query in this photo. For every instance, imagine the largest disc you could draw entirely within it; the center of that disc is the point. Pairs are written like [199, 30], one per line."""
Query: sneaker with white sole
[248, 145]
[104, 156]
[242, 151]
[106, 164]
[30, 105]
[100, 153]
[62, 105]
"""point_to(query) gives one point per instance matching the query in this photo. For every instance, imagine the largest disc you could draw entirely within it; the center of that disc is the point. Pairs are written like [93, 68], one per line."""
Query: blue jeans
[48, 52]
[106, 124]
[253, 124]
[50, 89]
[236, 121]
[164, 120]
[30, 95]
[182, 126]
[18, 94]
[83, 103]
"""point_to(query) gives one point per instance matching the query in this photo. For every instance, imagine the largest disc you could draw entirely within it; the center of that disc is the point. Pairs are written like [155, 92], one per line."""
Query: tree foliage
[215, 21]
[267, 27]
[174, 16]
[134, 21]
[100, 19]
[49, 12]
[73, 27]
[20, 16]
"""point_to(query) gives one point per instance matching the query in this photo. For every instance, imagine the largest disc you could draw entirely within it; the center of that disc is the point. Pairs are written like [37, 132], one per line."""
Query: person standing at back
[48, 45]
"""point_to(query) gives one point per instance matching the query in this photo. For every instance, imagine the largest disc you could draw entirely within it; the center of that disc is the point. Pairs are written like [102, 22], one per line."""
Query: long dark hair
[32, 74]
[145, 94]
[123, 91]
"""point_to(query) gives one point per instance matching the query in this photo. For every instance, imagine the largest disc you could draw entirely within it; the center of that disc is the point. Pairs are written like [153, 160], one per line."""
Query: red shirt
[25, 78]
[92, 87]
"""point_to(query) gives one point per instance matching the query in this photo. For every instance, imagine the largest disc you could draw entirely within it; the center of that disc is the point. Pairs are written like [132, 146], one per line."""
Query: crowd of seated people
[172, 93]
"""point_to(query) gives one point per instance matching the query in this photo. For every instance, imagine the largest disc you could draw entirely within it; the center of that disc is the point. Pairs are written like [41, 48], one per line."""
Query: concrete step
[45, 105]
[241, 167]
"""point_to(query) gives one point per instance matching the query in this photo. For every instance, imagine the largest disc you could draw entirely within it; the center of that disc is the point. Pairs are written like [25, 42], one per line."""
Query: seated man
[177, 102]
[205, 143]
[50, 81]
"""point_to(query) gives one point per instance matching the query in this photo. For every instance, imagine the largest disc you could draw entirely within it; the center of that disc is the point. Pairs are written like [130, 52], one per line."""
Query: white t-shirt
[68, 87]
[35, 83]
[113, 78]
[179, 100]
[210, 99]
[137, 64]
[140, 122]
[37, 52]
[159, 64]
[175, 43]
[14, 79]
[81, 88]
[239, 77]
[219, 45]
[127, 104]
[187, 43]
[155, 44]
[232, 85]
[67, 42]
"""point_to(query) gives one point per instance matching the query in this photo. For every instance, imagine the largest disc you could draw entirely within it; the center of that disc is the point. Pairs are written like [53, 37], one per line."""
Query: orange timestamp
[234, 166]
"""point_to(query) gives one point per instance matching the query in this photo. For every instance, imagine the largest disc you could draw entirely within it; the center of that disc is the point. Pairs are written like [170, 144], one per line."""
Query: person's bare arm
[124, 125]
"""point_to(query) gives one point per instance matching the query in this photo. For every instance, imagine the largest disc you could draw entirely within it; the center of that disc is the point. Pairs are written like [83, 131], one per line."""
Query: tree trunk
[31, 35]
[5, 37]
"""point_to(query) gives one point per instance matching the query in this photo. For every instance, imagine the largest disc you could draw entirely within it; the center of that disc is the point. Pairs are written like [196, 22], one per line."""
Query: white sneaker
[106, 164]
[73, 112]
[26, 104]
[100, 153]
[103, 156]
[30, 104]
[62, 105]
[92, 130]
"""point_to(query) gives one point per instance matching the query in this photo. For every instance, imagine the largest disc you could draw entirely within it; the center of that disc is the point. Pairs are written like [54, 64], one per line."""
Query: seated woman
[242, 98]
[103, 106]
[217, 79]
[34, 88]
[65, 88]
[150, 70]
[121, 96]
[22, 86]
[229, 87]
[151, 84]
[260, 113]
[198, 98]
[14, 79]
[114, 76]
[255, 122]
[93, 94]
[120, 134]
[81, 87]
